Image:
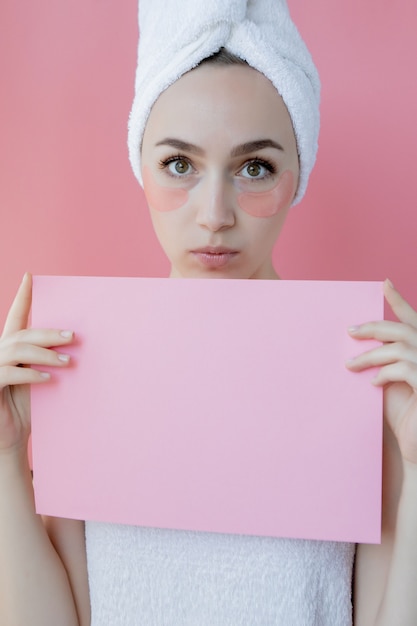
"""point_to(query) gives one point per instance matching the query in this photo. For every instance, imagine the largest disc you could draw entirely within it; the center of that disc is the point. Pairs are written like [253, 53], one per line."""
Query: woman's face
[220, 170]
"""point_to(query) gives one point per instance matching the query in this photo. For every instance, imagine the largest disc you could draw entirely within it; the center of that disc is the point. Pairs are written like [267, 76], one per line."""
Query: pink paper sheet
[214, 405]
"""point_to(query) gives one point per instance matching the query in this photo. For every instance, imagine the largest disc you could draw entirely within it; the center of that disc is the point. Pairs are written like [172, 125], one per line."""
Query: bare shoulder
[373, 561]
[68, 539]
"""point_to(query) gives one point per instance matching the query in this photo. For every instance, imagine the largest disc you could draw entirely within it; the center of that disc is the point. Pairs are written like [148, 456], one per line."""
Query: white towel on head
[176, 36]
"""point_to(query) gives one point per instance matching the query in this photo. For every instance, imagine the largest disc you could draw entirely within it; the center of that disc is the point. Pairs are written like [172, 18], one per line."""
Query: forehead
[228, 100]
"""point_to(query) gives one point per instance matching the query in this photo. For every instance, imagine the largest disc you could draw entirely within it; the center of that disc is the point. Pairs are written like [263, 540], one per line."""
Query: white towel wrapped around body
[176, 36]
[160, 577]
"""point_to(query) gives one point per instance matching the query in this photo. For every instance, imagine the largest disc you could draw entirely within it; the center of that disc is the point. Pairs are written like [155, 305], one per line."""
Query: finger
[403, 371]
[17, 317]
[10, 375]
[385, 331]
[384, 355]
[400, 307]
[45, 338]
[28, 354]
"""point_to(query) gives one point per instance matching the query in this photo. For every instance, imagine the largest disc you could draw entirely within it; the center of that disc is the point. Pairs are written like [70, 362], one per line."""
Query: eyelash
[163, 163]
[270, 167]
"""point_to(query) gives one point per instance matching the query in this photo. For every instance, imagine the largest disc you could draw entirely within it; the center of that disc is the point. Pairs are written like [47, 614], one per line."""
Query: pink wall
[70, 205]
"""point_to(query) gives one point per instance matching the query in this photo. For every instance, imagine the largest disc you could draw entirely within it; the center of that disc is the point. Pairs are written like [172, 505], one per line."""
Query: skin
[43, 575]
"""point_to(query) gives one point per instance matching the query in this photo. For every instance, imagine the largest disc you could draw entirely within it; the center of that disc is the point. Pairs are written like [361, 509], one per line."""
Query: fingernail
[353, 329]
[64, 358]
[66, 333]
[389, 282]
[45, 375]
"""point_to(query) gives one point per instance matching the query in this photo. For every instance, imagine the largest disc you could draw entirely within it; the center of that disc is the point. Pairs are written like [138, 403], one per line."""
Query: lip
[214, 256]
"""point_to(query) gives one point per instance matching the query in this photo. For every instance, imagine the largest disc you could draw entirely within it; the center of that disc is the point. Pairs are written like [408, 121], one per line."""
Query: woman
[222, 158]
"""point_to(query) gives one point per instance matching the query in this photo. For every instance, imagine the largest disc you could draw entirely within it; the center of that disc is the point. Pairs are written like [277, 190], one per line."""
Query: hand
[397, 359]
[21, 348]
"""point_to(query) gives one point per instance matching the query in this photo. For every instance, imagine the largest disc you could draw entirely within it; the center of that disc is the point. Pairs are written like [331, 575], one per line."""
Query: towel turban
[175, 36]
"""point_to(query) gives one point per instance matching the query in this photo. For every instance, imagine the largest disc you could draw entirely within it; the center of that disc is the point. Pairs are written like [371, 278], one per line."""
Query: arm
[40, 584]
[384, 591]
[386, 574]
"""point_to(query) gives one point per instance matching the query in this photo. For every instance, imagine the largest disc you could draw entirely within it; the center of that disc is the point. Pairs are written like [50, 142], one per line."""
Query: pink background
[69, 203]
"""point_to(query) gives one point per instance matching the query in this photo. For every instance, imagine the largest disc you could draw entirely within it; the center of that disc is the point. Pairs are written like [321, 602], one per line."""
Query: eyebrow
[180, 145]
[244, 148]
[254, 146]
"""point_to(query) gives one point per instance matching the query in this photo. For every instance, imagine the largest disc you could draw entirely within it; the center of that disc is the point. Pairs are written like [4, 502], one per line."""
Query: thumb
[18, 315]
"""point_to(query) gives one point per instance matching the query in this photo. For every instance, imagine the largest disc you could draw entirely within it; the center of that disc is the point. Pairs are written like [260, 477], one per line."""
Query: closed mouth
[214, 256]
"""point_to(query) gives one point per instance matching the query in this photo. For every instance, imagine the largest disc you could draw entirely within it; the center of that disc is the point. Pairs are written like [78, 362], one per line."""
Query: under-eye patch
[162, 198]
[268, 203]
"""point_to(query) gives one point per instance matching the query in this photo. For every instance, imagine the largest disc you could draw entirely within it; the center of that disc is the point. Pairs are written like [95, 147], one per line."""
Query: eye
[176, 166]
[257, 169]
[179, 167]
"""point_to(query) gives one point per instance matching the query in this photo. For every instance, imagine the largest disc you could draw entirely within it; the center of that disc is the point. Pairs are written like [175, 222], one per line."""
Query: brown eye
[253, 169]
[179, 166]
[257, 170]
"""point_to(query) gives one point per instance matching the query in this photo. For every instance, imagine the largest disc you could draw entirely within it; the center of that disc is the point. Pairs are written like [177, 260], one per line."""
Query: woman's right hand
[20, 349]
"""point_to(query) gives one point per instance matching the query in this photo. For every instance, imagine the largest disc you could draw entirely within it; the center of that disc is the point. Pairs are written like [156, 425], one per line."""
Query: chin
[221, 274]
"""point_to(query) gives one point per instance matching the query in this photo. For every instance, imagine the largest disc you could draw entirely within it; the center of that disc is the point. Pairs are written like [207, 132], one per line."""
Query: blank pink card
[212, 405]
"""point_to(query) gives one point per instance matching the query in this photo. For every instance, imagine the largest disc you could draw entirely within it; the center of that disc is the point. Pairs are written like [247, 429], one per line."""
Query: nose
[215, 208]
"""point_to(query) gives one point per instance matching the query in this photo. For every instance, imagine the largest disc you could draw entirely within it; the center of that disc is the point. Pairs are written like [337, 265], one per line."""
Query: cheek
[269, 203]
[162, 198]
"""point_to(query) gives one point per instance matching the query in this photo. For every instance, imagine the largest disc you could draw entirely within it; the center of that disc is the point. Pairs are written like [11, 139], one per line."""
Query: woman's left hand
[397, 360]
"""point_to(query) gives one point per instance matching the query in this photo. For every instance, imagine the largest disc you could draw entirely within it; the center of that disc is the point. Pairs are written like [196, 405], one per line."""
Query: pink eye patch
[269, 203]
[162, 198]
